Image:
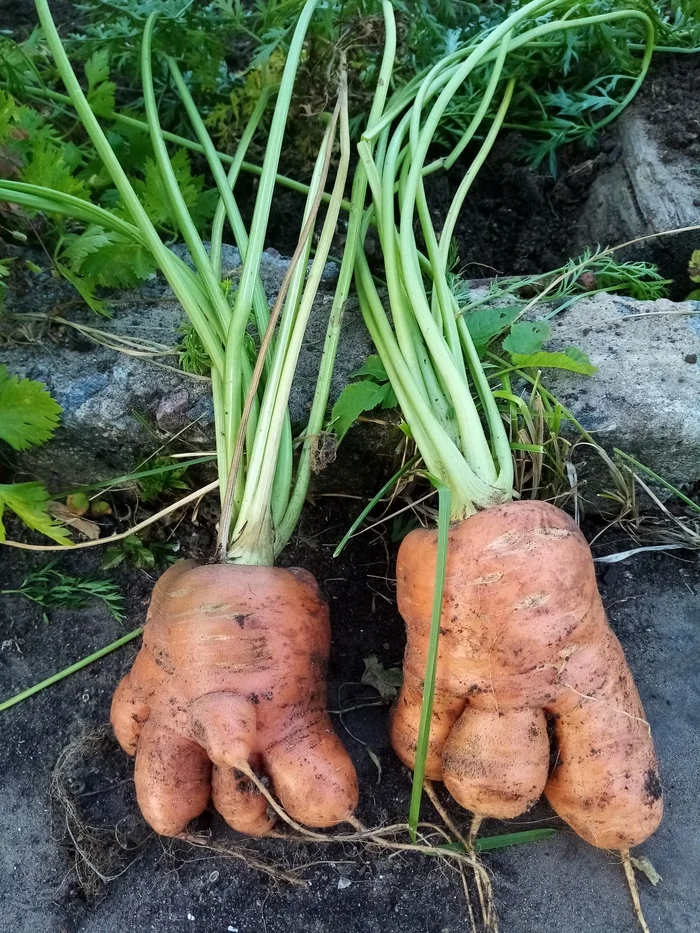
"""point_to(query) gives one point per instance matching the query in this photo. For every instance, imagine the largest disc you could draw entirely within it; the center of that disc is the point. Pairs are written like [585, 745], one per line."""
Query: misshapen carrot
[233, 672]
[523, 634]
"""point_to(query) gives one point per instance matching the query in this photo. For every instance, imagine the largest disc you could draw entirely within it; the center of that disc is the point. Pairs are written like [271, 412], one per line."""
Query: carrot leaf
[28, 414]
[355, 399]
[527, 337]
[572, 359]
[29, 501]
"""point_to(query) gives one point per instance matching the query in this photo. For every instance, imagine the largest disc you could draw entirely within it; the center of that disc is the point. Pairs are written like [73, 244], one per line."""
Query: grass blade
[138, 474]
[426, 711]
[659, 479]
[504, 840]
[372, 502]
[67, 671]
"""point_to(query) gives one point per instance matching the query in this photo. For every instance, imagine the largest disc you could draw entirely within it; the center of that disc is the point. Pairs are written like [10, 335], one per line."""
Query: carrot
[232, 673]
[523, 639]
[506, 633]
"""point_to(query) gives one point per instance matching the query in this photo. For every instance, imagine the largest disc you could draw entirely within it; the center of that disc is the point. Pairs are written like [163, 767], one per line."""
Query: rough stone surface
[647, 190]
[103, 392]
[645, 397]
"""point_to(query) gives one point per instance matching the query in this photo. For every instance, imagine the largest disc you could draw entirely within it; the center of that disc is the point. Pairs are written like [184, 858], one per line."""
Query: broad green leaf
[28, 414]
[97, 67]
[488, 323]
[118, 263]
[47, 166]
[373, 367]
[527, 337]
[355, 399]
[390, 400]
[81, 245]
[572, 358]
[29, 502]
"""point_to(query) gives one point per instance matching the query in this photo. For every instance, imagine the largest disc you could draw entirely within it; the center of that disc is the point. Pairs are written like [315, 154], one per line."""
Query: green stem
[426, 709]
[134, 123]
[163, 256]
[353, 243]
[255, 512]
[66, 672]
[220, 308]
[249, 272]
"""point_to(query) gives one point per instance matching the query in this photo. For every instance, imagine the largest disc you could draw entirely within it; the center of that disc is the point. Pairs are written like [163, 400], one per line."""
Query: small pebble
[190, 916]
[343, 883]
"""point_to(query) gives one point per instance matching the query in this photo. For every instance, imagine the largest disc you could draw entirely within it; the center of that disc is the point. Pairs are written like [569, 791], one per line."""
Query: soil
[669, 97]
[522, 221]
[560, 884]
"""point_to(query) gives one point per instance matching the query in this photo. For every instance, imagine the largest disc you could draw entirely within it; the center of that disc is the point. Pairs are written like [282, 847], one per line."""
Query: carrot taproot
[232, 673]
[523, 637]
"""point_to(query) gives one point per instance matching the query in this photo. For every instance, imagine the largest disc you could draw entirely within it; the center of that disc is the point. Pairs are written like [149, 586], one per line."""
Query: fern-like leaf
[28, 414]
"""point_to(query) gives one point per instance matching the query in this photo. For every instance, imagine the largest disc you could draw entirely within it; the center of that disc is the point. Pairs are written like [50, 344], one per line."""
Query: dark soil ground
[559, 885]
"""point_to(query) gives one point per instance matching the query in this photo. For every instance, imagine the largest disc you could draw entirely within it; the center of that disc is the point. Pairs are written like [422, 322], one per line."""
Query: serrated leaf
[385, 680]
[373, 367]
[28, 414]
[81, 245]
[47, 166]
[29, 502]
[355, 399]
[154, 194]
[527, 337]
[9, 116]
[97, 67]
[102, 98]
[85, 288]
[488, 323]
[572, 359]
[119, 263]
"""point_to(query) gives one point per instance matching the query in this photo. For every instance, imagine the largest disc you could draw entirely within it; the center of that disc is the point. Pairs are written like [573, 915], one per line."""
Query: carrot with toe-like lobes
[514, 684]
[231, 678]
[523, 638]
[231, 674]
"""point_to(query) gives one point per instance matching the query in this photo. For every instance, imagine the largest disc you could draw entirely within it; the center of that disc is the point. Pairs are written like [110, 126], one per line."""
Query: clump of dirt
[670, 101]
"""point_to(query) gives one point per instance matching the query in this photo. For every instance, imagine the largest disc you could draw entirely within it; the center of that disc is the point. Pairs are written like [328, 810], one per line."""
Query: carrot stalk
[426, 713]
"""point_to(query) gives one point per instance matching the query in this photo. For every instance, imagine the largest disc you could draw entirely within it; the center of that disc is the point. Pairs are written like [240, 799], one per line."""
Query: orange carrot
[232, 673]
[523, 637]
